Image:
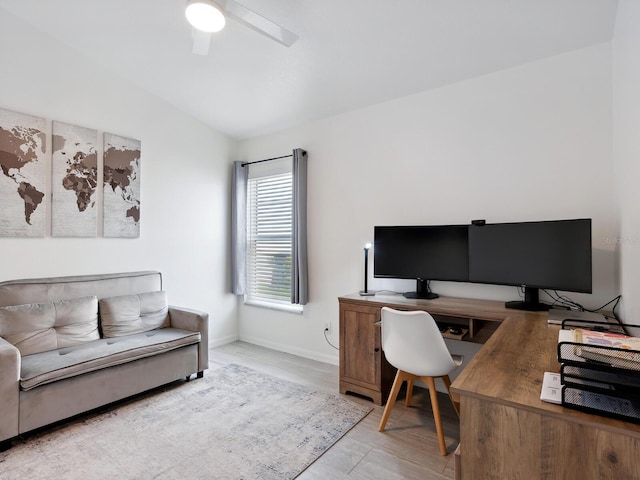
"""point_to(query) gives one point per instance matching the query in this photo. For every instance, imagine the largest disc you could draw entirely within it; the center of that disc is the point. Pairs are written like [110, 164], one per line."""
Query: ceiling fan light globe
[205, 15]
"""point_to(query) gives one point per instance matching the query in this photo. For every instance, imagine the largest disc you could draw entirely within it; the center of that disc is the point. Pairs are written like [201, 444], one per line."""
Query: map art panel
[74, 178]
[121, 186]
[22, 175]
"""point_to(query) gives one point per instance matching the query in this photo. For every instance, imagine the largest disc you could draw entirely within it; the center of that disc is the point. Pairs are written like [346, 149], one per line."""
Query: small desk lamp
[365, 292]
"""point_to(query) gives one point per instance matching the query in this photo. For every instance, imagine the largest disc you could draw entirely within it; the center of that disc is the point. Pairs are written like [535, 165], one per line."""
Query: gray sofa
[72, 344]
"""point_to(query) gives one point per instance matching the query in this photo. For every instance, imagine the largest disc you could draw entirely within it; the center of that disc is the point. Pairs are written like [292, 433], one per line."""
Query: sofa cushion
[39, 327]
[47, 367]
[131, 314]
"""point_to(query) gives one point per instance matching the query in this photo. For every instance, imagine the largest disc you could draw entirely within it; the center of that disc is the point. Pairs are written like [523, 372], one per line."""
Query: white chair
[412, 343]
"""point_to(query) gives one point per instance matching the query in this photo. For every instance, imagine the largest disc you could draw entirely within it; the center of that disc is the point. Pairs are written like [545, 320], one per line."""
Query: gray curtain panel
[299, 271]
[239, 229]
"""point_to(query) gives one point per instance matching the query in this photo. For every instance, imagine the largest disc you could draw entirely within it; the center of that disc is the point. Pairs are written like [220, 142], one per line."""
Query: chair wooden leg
[447, 383]
[435, 406]
[407, 400]
[397, 383]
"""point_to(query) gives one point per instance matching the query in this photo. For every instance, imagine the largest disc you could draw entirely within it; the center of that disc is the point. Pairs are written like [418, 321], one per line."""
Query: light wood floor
[408, 447]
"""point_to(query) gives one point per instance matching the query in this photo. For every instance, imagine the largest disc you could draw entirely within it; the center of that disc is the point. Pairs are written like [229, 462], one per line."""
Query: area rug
[235, 423]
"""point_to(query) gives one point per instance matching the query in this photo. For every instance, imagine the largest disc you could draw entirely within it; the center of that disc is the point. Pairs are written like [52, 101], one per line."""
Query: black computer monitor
[424, 253]
[554, 255]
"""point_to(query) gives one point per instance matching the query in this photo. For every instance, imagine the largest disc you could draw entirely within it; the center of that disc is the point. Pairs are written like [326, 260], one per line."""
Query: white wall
[626, 95]
[184, 180]
[528, 143]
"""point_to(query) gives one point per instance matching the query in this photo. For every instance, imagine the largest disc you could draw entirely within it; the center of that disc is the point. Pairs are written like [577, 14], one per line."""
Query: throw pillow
[130, 314]
[39, 327]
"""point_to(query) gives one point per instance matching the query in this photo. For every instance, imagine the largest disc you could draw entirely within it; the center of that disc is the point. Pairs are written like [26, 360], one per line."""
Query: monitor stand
[422, 291]
[531, 302]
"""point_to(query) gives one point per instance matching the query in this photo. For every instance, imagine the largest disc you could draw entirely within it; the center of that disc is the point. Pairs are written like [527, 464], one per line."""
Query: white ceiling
[351, 53]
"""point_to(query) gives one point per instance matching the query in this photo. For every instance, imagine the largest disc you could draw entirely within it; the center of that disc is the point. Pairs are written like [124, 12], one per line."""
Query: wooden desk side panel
[357, 346]
[504, 442]
[363, 367]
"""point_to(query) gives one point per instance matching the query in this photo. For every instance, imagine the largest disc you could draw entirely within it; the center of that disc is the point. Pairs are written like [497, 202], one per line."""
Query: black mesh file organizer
[622, 405]
[602, 353]
[600, 378]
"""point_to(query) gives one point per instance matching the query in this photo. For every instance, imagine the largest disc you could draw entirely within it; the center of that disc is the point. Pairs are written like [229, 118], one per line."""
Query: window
[269, 236]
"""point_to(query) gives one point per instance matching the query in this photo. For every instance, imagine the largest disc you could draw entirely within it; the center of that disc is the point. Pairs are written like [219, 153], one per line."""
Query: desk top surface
[509, 370]
[459, 307]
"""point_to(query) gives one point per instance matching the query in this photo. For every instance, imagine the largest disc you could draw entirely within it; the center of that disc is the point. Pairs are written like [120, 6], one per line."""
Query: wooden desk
[363, 367]
[507, 432]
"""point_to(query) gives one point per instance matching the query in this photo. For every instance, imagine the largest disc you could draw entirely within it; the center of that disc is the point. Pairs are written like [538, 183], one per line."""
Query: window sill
[299, 309]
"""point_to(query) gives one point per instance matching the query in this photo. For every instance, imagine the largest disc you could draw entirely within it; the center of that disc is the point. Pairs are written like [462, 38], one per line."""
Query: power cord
[613, 310]
[567, 302]
[563, 301]
[327, 339]
[557, 300]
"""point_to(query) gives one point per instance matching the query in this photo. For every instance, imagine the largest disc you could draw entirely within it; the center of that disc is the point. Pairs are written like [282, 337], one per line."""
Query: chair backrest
[412, 342]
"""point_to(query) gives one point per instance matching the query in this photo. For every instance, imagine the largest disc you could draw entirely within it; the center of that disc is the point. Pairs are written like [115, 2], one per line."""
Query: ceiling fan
[208, 16]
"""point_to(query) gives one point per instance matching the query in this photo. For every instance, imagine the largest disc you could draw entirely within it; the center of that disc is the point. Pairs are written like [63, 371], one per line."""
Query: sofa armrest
[10, 362]
[195, 321]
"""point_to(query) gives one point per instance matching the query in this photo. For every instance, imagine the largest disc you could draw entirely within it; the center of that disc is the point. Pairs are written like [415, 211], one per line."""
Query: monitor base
[423, 296]
[531, 301]
[423, 291]
[530, 307]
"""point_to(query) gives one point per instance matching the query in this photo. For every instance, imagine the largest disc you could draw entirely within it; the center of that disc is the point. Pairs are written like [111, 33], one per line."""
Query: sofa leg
[188, 378]
[5, 445]
[201, 374]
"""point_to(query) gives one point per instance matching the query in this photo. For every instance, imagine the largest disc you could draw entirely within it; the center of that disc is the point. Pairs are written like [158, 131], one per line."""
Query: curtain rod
[265, 160]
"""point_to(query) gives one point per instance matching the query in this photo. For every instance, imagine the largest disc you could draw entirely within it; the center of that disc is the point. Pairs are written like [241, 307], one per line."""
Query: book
[615, 349]
[608, 339]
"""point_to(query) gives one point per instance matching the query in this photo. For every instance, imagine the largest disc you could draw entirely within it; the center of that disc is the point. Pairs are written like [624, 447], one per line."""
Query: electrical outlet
[327, 327]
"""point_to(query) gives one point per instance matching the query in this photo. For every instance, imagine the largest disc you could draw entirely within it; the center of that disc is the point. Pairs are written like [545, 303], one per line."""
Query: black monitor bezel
[423, 275]
[479, 278]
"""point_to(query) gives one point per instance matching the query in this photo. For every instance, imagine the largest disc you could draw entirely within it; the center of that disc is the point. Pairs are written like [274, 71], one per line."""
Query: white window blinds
[269, 229]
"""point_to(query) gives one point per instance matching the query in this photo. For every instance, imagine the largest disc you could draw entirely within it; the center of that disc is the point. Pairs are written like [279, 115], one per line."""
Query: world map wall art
[77, 169]
[74, 178]
[121, 186]
[22, 164]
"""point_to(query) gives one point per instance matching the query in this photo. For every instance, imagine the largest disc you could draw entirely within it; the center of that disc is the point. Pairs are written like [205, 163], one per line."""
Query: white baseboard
[319, 357]
[218, 342]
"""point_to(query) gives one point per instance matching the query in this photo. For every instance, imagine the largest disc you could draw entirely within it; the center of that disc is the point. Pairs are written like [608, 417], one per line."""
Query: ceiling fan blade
[259, 23]
[201, 41]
